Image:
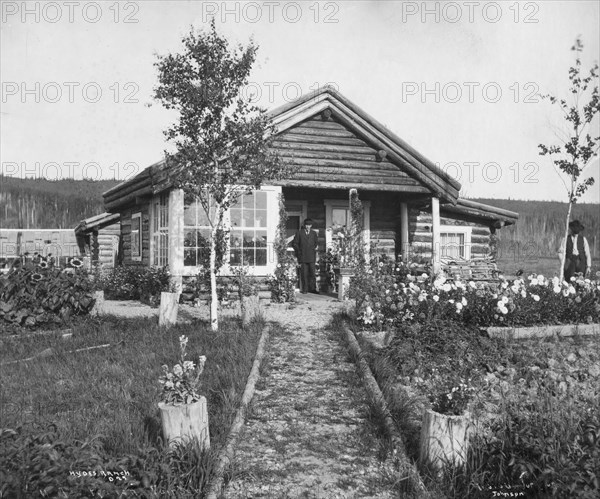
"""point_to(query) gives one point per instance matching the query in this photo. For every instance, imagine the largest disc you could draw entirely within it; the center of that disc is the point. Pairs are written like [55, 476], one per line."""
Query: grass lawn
[108, 397]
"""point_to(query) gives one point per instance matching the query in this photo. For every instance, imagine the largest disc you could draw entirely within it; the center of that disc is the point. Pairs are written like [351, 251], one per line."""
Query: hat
[308, 221]
[576, 224]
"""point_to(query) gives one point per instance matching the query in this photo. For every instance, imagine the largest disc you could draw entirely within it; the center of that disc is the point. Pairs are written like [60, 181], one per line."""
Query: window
[455, 242]
[196, 235]
[160, 230]
[136, 237]
[248, 236]
[337, 215]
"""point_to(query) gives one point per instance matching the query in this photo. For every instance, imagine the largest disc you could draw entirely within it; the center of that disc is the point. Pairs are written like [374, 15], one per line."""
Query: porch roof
[482, 212]
[97, 222]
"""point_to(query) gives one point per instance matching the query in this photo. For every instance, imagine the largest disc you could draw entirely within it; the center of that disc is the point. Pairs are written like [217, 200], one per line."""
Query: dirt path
[308, 432]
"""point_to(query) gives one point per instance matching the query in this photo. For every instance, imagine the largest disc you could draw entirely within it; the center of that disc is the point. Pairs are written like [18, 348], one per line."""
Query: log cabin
[411, 207]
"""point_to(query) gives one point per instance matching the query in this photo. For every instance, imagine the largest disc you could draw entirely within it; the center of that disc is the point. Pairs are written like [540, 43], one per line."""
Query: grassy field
[108, 396]
[547, 266]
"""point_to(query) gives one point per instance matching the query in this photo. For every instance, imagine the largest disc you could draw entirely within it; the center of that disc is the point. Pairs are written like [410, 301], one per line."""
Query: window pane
[248, 255]
[339, 216]
[235, 257]
[236, 239]
[189, 215]
[189, 238]
[248, 218]
[249, 239]
[261, 257]
[248, 201]
[189, 257]
[203, 238]
[236, 217]
[261, 200]
[202, 220]
[260, 218]
[261, 239]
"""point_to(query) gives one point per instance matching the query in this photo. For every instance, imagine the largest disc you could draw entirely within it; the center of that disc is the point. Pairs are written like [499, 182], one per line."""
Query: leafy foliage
[181, 385]
[135, 283]
[283, 283]
[39, 293]
[221, 140]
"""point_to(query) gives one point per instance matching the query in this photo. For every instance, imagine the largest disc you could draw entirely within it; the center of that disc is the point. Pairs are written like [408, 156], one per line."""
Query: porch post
[176, 237]
[404, 231]
[435, 240]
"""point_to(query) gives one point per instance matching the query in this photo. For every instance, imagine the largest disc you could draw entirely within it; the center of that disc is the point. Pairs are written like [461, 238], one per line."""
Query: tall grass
[109, 396]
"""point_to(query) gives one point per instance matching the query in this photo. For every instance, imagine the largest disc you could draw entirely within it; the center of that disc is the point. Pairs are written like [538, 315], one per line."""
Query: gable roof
[407, 159]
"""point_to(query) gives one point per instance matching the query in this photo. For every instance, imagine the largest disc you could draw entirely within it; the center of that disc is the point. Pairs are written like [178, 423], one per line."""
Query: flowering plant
[181, 385]
[453, 398]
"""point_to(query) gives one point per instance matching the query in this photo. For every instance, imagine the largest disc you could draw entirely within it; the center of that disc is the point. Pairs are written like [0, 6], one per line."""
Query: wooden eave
[480, 212]
[96, 223]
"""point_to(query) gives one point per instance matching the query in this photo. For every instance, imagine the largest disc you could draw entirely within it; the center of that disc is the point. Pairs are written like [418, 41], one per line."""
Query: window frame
[465, 230]
[330, 204]
[136, 257]
[161, 200]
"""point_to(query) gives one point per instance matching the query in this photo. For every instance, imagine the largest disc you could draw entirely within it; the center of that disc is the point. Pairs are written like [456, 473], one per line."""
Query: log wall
[324, 152]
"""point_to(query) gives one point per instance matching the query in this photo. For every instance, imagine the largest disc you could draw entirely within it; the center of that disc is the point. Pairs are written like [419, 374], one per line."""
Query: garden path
[308, 432]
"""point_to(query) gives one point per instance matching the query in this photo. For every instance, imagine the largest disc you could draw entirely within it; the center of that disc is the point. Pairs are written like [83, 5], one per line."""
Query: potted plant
[183, 410]
[446, 426]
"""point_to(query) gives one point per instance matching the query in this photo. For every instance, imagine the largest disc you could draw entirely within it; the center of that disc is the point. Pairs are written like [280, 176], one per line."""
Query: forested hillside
[44, 204]
[541, 226]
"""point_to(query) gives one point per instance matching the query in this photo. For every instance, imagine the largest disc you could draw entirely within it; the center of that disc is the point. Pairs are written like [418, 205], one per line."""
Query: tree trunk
[214, 319]
[563, 249]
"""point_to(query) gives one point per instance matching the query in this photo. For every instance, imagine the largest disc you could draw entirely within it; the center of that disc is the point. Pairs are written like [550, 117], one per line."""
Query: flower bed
[389, 294]
[535, 403]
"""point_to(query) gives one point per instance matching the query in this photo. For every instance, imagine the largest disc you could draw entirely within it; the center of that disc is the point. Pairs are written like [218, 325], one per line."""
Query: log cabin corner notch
[331, 146]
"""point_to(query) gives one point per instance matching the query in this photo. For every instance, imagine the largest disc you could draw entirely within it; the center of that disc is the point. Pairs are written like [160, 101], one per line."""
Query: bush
[135, 283]
[39, 293]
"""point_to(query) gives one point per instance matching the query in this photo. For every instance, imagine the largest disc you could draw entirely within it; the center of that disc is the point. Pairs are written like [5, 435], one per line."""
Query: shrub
[39, 293]
[135, 283]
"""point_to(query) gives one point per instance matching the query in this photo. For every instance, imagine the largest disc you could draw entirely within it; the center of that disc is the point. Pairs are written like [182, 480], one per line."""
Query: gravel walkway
[308, 434]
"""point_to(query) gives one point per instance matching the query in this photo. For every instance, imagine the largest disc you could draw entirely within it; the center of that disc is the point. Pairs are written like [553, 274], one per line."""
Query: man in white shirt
[578, 257]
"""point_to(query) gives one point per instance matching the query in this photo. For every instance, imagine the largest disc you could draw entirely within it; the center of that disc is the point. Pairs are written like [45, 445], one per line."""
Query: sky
[459, 81]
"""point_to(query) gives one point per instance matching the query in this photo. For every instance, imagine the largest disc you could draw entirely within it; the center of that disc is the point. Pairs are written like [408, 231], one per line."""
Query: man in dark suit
[578, 257]
[306, 244]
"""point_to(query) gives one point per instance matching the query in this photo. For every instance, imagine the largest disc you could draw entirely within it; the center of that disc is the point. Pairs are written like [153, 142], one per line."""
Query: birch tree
[221, 139]
[578, 147]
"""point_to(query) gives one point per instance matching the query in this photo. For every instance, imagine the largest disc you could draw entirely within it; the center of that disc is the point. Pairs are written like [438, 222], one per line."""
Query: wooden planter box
[444, 439]
[543, 331]
[182, 423]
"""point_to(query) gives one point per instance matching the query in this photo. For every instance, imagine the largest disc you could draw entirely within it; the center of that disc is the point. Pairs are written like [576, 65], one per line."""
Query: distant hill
[49, 204]
[541, 226]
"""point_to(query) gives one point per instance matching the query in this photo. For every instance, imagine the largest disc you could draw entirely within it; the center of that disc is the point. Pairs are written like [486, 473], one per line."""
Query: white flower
[472, 284]
[578, 299]
[523, 293]
[177, 370]
[504, 310]
[436, 298]
[534, 282]
[446, 287]
[505, 299]
[500, 304]
[565, 292]
[450, 301]
[572, 290]
[463, 301]
[459, 307]
[188, 365]
[556, 289]
[535, 297]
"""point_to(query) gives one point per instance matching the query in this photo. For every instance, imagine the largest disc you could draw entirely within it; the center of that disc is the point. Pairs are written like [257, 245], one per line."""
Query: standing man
[578, 257]
[306, 245]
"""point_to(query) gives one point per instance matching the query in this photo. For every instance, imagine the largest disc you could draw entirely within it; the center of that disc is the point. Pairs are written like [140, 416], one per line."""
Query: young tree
[578, 148]
[221, 140]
